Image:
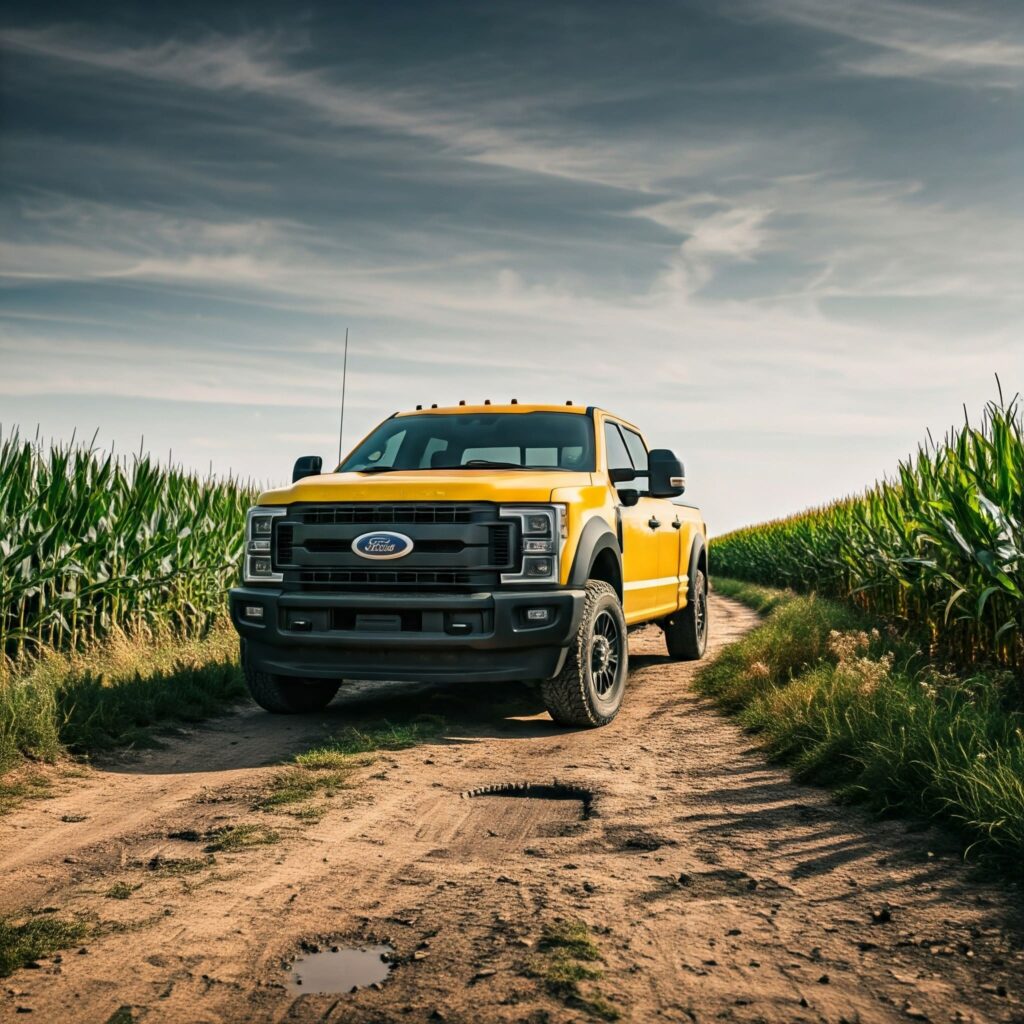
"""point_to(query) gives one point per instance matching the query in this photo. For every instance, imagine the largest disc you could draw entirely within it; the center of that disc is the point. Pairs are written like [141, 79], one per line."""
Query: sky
[784, 237]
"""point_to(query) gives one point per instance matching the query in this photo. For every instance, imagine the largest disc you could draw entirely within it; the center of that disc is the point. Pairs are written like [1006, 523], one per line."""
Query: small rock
[824, 979]
[734, 931]
[486, 972]
[684, 879]
[420, 954]
[70, 860]
[914, 1012]
[376, 986]
[881, 915]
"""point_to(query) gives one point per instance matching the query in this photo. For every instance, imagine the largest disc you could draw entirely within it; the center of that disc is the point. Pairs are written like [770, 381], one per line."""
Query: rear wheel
[686, 631]
[284, 695]
[589, 689]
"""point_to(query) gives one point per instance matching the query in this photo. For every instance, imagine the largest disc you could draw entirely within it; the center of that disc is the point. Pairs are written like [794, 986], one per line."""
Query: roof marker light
[515, 401]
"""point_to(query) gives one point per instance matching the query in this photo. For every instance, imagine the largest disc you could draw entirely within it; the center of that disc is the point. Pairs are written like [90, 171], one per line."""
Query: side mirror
[308, 465]
[629, 498]
[621, 476]
[667, 475]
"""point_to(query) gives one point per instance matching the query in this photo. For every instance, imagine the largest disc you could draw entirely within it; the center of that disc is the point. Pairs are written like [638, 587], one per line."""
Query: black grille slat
[386, 577]
[388, 515]
[500, 547]
[283, 547]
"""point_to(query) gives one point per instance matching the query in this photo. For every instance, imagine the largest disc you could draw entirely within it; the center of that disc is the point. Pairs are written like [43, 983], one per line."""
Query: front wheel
[283, 695]
[589, 689]
[686, 631]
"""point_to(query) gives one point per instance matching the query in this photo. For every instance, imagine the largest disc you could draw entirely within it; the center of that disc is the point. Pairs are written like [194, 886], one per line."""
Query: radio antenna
[344, 378]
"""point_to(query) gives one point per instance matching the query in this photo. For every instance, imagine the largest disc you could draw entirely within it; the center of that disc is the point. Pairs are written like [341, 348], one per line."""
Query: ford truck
[492, 543]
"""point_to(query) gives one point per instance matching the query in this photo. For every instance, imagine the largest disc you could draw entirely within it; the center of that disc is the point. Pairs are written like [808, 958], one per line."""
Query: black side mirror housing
[621, 476]
[308, 465]
[667, 475]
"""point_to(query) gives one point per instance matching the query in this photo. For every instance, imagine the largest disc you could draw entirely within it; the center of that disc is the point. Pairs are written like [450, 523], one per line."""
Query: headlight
[542, 529]
[259, 534]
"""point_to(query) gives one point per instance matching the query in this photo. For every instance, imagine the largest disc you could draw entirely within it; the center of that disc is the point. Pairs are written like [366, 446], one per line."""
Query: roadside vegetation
[861, 706]
[938, 549]
[115, 693]
[91, 542]
[113, 573]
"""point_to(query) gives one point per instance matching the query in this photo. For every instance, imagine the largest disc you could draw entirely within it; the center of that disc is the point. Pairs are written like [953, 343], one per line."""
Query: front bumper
[439, 637]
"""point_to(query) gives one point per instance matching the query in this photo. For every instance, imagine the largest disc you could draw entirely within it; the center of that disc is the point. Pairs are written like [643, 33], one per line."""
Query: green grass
[232, 838]
[761, 599]
[119, 692]
[861, 709]
[326, 769]
[120, 891]
[566, 957]
[37, 937]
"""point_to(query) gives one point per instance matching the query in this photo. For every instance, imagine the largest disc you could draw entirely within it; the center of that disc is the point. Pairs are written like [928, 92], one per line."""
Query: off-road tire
[283, 695]
[686, 631]
[574, 696]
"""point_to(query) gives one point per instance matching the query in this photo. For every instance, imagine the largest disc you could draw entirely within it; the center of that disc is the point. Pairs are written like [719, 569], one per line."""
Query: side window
[615, 447]
[638, 453]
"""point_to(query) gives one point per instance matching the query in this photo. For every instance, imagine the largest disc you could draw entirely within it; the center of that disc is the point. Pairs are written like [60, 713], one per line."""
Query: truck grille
[456, 547]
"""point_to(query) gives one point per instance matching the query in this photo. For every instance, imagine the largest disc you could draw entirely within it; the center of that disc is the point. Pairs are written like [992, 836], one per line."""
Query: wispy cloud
[972, 45]
[758, 259]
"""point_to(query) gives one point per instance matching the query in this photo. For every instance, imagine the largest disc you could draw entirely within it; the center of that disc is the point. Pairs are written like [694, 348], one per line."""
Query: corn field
[940, 546]
[89, 541]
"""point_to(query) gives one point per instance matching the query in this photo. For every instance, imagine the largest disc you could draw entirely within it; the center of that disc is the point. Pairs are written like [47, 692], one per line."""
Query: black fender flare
[699, 545]
[597, 536]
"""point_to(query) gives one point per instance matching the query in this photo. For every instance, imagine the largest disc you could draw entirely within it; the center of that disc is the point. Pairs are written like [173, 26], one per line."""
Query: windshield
[527, 440]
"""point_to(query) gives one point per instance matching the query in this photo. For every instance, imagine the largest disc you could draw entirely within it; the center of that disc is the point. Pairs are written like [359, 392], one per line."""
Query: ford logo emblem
[382, 544]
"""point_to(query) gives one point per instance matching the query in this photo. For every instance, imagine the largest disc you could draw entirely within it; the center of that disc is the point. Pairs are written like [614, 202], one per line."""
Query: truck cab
[492, 543]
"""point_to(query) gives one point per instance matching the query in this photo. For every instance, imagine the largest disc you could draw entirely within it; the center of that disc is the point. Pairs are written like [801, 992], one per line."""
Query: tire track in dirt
[715, 887]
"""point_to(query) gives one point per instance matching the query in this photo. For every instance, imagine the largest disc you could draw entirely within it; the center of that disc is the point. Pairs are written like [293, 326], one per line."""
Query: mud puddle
[341, 969]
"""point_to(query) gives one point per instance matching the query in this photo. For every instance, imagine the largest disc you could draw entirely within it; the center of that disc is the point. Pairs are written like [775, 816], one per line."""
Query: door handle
[653, 523]
[677, 523]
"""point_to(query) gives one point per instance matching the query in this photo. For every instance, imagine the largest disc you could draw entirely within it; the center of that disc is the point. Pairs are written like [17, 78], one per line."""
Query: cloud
[983, 46]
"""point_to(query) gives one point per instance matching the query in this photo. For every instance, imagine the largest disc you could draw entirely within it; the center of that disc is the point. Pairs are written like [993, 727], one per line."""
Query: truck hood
[428, 485]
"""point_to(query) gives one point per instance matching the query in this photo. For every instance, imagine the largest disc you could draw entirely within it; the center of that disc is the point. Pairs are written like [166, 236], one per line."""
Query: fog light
[253, 611]
[538, 614]
[261, 567]
[537, 566]
[538, 547]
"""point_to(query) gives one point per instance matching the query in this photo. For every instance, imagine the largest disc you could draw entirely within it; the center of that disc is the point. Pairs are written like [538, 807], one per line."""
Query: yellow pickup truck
[484, 542]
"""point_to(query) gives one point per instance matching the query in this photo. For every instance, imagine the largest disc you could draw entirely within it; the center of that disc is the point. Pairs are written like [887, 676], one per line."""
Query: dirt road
[712, 886]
